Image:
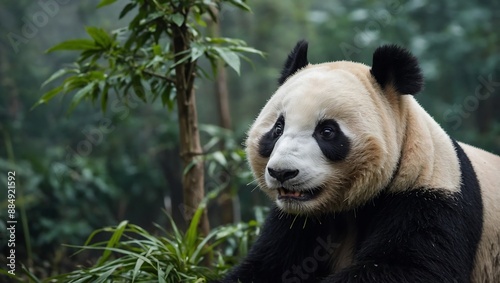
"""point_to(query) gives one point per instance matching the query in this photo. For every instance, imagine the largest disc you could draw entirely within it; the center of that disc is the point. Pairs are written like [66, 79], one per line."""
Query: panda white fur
[367, 186]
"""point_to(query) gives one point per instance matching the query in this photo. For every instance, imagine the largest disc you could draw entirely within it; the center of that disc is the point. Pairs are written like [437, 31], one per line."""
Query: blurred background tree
[134, 171]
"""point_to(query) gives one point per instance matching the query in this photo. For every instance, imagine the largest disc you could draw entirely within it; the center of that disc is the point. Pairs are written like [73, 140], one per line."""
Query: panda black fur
[368, 187]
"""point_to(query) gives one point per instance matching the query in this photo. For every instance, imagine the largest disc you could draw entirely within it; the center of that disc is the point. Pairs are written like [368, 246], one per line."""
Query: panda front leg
[419, 236]
[410, 269]
[293, 249]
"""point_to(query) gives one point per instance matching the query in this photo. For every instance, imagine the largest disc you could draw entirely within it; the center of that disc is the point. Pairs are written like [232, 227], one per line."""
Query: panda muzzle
[284, 193]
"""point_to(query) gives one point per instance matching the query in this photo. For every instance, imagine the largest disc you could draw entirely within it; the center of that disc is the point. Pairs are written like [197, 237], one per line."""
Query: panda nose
[283, 175]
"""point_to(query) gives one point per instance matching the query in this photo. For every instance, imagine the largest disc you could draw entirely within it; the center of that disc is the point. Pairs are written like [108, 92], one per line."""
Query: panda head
[330, 137]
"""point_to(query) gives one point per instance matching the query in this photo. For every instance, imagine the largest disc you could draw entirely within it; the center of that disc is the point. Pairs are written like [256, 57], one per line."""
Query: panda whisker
[253, 181]
[319, 220]
[280, 215]
[295, 218]
[255, 188]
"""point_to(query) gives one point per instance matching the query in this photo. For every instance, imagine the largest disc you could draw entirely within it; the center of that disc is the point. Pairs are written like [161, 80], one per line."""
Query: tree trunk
[222, 97]
[190, 147]
[226, 198]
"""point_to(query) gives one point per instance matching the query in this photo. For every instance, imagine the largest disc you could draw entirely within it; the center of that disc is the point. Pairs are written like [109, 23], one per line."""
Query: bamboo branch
[168, 79]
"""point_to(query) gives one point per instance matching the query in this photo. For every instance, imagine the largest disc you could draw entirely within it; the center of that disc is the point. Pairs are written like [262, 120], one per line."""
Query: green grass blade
[107, 274]
[192, 232]
[161, 274]
[115, 239]
[137, 268]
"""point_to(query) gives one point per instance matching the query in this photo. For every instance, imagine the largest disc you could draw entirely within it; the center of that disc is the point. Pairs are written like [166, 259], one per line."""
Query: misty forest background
[132, 171]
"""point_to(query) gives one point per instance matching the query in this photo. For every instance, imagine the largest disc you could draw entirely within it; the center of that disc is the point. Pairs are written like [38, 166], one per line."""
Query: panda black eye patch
[334, 144]
[268, 140]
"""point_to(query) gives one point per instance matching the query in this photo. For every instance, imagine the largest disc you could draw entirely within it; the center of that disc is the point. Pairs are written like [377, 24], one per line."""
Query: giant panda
[366, 186]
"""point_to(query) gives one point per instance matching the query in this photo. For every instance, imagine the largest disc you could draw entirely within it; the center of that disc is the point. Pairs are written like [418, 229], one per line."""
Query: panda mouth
[286, 194]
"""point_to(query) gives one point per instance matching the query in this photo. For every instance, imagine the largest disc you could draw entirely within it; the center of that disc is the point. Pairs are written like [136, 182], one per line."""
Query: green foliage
[67, 195]
[134, 255]
[231, 160]
[139, 58]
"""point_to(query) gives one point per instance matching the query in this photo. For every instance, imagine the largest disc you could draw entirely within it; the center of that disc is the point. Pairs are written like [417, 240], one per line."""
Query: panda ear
[297, 59]
[396, 66]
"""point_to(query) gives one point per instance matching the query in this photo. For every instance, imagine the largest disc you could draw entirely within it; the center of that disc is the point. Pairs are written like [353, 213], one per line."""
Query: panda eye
[327, 133]
[278, 129]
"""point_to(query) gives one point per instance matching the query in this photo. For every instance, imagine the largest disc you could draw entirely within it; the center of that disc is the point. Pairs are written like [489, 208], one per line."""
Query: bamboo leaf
[199, 20]
[157, 50]
[79, 95]
[178, 19]
[230, 57]
[240, 4]
[57, 75]
[139, 88]
[74, 44]
[100, 36]
[196, 51]
[247, 50]
[105, 3]
[220, 158]
[48, 96]
[104, 98]
[225, 40]
[74, 82]
[154, 89]
[165, 95]
[127, 9]
[168, 97]
[96, 75]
